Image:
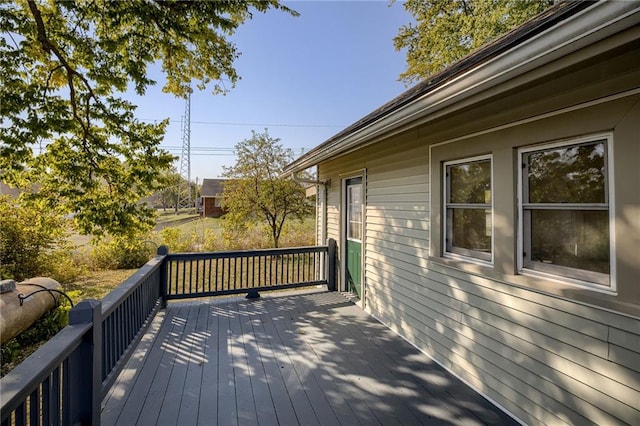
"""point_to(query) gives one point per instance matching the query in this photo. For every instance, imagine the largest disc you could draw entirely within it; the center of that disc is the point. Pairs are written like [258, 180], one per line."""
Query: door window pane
[354, 211]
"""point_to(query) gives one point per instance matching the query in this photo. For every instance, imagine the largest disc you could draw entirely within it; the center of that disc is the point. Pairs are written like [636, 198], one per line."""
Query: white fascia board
[591, 25]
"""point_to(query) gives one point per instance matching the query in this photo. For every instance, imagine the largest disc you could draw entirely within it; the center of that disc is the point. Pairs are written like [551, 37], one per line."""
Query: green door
[353, 227]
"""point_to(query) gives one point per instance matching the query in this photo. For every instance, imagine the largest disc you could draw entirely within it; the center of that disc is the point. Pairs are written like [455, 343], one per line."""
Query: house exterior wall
[209, 208]
[547, 351]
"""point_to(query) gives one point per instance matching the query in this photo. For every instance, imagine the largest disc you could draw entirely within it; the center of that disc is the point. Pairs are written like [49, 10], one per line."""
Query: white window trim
[445, 226]
[611, 288]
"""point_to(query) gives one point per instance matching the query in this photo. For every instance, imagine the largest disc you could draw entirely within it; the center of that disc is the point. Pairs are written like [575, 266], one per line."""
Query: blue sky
[303, 78]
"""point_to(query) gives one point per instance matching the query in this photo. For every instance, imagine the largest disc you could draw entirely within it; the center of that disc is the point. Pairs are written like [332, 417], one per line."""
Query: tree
[174, 186]
[64, 67]
[447, 30]
[256, 192]
[168, 194]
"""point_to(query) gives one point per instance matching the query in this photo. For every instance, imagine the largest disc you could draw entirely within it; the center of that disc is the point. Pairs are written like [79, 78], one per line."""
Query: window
[468, 214]
[565, 210]
[217, 202]
[354, 209]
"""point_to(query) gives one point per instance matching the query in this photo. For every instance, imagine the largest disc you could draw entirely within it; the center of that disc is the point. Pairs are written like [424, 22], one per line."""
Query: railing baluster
[288, 263]
[223, 270]
[253, 271]
[216, 273]
[235, 272]
[34, 406]
[198, 276]
[46, 401]
[64, 396]
[21, 414]
[184, 276]
[209, 281]
[55, 397]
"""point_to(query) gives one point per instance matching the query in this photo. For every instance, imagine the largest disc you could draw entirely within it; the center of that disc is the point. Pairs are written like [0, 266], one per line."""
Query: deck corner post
[332, 261]
[85, 366]
[164, 282]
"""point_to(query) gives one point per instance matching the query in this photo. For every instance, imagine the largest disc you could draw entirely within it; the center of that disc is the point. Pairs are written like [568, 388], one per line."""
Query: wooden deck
[310, 358]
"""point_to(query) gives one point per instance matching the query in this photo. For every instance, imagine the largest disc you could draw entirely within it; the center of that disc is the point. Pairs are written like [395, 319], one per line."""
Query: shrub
[298, 233]
[247, 237]
[29, 233]
[212, 241]
[178, 241]
[64, 266]
[122, 252]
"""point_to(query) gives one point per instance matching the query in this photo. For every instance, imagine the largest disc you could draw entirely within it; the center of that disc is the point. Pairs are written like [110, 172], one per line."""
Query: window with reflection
[468, 211]
[565, 210]
[354, 210]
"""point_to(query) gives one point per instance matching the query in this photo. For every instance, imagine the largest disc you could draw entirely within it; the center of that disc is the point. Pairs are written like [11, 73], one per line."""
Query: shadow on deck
[309, 357]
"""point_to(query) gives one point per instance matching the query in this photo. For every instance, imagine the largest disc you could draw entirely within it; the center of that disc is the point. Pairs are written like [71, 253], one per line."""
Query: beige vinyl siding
[396, 196]
[545, 359]
[546, 351]
[511, 342]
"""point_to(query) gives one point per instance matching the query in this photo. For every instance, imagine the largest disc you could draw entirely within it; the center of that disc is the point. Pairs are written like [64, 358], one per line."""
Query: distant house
[210, 201]
[490, 215]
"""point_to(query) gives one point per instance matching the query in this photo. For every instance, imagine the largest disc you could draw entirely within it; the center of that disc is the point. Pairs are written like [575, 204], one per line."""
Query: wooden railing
[65, 380]
[235, 272]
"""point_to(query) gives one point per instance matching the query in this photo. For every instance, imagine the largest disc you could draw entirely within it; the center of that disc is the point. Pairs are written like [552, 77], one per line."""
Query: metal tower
[184, 192]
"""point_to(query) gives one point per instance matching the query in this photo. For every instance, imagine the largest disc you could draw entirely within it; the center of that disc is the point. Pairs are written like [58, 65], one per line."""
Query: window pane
[470, 183]
[571, 238]
[471, 229]
[572, 174]
[355, 228]
[354, 211]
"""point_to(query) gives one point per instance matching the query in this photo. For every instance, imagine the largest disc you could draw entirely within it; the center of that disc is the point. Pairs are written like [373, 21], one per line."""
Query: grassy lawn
[200, 225]
[97, 284]
[171, 216]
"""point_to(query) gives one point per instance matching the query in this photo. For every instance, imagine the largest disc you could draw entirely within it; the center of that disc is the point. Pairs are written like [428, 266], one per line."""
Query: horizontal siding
[545, 359]
[508, 342]
[430, 329]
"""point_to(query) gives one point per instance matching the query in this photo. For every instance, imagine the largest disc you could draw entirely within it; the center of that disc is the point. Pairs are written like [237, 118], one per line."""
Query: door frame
[344, 177]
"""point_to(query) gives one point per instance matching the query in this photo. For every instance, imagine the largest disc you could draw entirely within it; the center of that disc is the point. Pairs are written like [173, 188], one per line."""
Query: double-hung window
[564, 206]
[468, 217]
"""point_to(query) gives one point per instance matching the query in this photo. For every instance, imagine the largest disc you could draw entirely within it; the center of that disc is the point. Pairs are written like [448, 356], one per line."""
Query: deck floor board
[306, 357]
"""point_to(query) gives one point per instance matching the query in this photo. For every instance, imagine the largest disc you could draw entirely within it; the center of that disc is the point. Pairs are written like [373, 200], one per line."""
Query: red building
[210, 202]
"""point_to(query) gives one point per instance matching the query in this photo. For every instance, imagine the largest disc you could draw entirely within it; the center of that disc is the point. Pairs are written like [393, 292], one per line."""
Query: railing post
[332, 261]
[85, 366]
[164, 279]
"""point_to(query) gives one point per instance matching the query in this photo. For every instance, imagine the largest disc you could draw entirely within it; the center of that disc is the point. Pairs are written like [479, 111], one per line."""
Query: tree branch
[49, 47]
